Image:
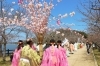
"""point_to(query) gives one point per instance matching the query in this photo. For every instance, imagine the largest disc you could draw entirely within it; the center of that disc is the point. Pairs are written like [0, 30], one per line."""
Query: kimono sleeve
[16, 56]
[13, 60]
[44, 59]
[63, 58]
[37, 57]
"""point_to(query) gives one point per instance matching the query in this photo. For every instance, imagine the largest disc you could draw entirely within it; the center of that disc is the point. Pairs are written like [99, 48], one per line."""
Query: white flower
[66, 15]
[3, 9]
[13, 2]
[39, 4]
[54, 18]
[11, 9]
[17, 12]
[72, 14]
[58, 0]
[9, 14]
[21, 13]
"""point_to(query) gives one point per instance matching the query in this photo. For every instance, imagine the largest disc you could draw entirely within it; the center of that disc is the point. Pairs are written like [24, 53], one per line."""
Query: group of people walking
[54, 55]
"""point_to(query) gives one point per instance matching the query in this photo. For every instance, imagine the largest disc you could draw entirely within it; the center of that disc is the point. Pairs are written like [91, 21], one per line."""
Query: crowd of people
[54, 54]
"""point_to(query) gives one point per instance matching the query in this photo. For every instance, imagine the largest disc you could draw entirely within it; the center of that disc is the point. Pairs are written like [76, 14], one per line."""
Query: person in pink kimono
[16, 54]
[64, 61]
[51, 55]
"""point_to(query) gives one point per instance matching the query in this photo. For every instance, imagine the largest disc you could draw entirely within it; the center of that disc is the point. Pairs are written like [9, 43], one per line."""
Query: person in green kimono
[29, 56]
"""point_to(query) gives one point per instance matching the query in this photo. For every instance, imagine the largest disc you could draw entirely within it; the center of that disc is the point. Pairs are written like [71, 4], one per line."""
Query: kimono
[66, 47]
[64, 61]
[51, 57]
[29, 57]
[75, 45]
[16, 56]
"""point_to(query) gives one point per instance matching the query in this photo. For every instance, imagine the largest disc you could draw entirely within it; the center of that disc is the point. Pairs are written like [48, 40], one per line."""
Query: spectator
[16, 54]
[29, 56]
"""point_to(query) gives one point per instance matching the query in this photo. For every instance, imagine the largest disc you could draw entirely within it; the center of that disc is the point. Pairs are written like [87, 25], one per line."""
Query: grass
[6, 63]
[97, 56]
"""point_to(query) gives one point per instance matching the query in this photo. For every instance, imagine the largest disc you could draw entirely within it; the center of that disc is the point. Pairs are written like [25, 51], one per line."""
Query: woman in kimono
[75, 45]
[51, 55]
[64, 61]
[65, 43]
[16, 54]
[29, 56]
[71, 46]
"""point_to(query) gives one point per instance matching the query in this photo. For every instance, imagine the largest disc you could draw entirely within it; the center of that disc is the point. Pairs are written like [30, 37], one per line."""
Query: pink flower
[20, 1]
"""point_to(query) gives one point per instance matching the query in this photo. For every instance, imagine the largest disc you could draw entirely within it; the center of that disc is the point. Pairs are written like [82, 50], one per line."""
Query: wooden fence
[8, 52]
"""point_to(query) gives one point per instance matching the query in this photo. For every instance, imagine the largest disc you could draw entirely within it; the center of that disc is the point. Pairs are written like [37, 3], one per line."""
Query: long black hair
[20, 44]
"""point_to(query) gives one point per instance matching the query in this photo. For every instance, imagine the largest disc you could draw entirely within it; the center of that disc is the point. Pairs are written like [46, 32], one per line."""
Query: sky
[63, 7]
[68, 6]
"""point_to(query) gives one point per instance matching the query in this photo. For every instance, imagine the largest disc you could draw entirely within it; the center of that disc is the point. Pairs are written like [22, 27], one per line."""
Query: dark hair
[59, 41]
[29, 41]
[52, 41]
[20, 44]
[20, 41]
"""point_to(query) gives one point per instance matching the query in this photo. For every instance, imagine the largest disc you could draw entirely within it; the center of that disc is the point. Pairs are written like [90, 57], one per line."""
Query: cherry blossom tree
[6, 32]
[35, 18]
[9, 31]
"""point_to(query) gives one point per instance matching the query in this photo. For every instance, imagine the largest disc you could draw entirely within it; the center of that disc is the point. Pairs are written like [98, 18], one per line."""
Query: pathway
[81, 58]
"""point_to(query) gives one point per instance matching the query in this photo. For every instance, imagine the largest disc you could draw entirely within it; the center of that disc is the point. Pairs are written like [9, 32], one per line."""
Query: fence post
[95, 46]
[8, 52]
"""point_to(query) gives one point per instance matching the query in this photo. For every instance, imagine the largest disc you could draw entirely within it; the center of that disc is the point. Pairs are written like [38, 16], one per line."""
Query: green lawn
[6, 63]
[97, 56]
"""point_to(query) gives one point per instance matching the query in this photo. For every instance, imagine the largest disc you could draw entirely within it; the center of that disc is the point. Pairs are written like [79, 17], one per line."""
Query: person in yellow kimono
[29, 56]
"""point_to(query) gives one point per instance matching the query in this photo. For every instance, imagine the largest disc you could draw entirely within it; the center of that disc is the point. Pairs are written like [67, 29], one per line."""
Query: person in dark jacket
[88, 46]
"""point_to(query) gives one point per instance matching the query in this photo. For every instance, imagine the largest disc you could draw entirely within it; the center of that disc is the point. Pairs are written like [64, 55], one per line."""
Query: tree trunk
[4, 52]
[40, 38]
[0, 49]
